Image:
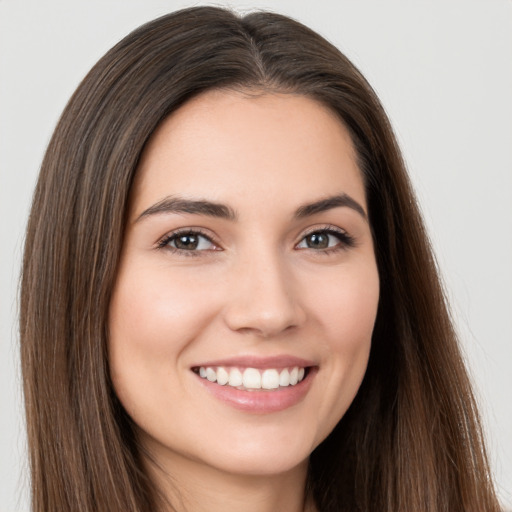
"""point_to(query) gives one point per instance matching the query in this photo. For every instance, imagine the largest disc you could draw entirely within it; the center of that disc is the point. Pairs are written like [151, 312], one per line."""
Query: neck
[194, 487]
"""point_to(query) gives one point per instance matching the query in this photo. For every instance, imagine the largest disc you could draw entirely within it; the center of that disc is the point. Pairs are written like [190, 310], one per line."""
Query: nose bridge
[263, 299]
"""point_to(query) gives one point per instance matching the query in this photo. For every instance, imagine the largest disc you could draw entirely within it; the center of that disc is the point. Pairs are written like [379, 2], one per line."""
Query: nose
[264, 298]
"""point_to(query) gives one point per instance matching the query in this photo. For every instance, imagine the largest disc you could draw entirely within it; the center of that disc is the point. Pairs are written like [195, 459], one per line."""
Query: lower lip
[261, 401]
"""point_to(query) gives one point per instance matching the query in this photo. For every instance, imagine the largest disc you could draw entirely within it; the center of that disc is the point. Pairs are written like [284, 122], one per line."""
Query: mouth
[257, 385]
[253, 379]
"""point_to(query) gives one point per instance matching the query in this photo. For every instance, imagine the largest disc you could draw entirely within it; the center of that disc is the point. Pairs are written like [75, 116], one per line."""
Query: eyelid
[323, 227]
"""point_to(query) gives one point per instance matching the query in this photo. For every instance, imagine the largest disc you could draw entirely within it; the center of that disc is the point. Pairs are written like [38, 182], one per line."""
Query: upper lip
[259, 362]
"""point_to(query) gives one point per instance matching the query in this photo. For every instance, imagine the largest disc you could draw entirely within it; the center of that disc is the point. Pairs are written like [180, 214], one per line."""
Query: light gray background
[443, 69]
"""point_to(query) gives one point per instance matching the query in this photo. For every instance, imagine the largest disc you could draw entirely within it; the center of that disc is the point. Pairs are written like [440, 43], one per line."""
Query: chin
[263, 451]
[263, 463]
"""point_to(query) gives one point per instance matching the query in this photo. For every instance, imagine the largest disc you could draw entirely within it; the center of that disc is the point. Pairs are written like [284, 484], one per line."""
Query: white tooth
[235, 377]
[211, 375]
[222, 376]
[252, 378]
[284, 378]
[270, 379]
[294, 376]
[301, 374]
[202, 372]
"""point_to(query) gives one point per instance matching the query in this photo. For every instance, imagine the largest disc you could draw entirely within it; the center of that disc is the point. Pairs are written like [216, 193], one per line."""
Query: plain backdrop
[443, 70]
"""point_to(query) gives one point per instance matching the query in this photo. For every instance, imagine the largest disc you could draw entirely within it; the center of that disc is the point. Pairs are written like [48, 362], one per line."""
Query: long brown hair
[410, 441]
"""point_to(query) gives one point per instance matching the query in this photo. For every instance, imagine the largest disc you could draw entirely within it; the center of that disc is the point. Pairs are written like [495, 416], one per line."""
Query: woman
[202, 322]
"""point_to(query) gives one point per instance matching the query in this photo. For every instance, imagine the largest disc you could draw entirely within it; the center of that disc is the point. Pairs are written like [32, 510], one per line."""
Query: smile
[250, 379]
[257, 385]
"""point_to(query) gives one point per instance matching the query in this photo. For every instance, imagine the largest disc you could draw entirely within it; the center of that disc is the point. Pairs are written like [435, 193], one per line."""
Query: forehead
[230, 146]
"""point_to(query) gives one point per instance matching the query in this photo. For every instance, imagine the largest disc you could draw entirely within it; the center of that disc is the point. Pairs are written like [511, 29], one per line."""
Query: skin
[257, 289]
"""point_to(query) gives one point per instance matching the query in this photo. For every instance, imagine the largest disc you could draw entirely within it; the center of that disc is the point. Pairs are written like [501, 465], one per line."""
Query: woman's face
[247, 291]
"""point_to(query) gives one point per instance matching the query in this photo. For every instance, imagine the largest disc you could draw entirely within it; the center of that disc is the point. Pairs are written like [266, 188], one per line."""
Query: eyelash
[345, 240]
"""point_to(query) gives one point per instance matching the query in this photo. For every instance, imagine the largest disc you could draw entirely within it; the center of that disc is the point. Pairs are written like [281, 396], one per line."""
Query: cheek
[153, 317]
[152, 312]
[345, 311]
[346, 305]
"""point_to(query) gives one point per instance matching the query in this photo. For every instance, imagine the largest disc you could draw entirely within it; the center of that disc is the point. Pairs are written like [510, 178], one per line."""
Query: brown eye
[317, 241]
[189, 241]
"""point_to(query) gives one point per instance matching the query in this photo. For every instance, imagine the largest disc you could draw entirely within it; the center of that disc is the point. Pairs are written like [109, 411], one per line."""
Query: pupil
[318, 241]
[187, 242]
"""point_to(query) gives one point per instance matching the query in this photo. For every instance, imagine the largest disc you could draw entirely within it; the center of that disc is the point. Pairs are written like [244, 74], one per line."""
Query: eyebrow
[177, 204]
[329, 203]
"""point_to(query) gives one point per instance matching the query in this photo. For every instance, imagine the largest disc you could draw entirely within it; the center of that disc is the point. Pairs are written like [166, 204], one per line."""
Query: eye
[189, 241]
[326, 240]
